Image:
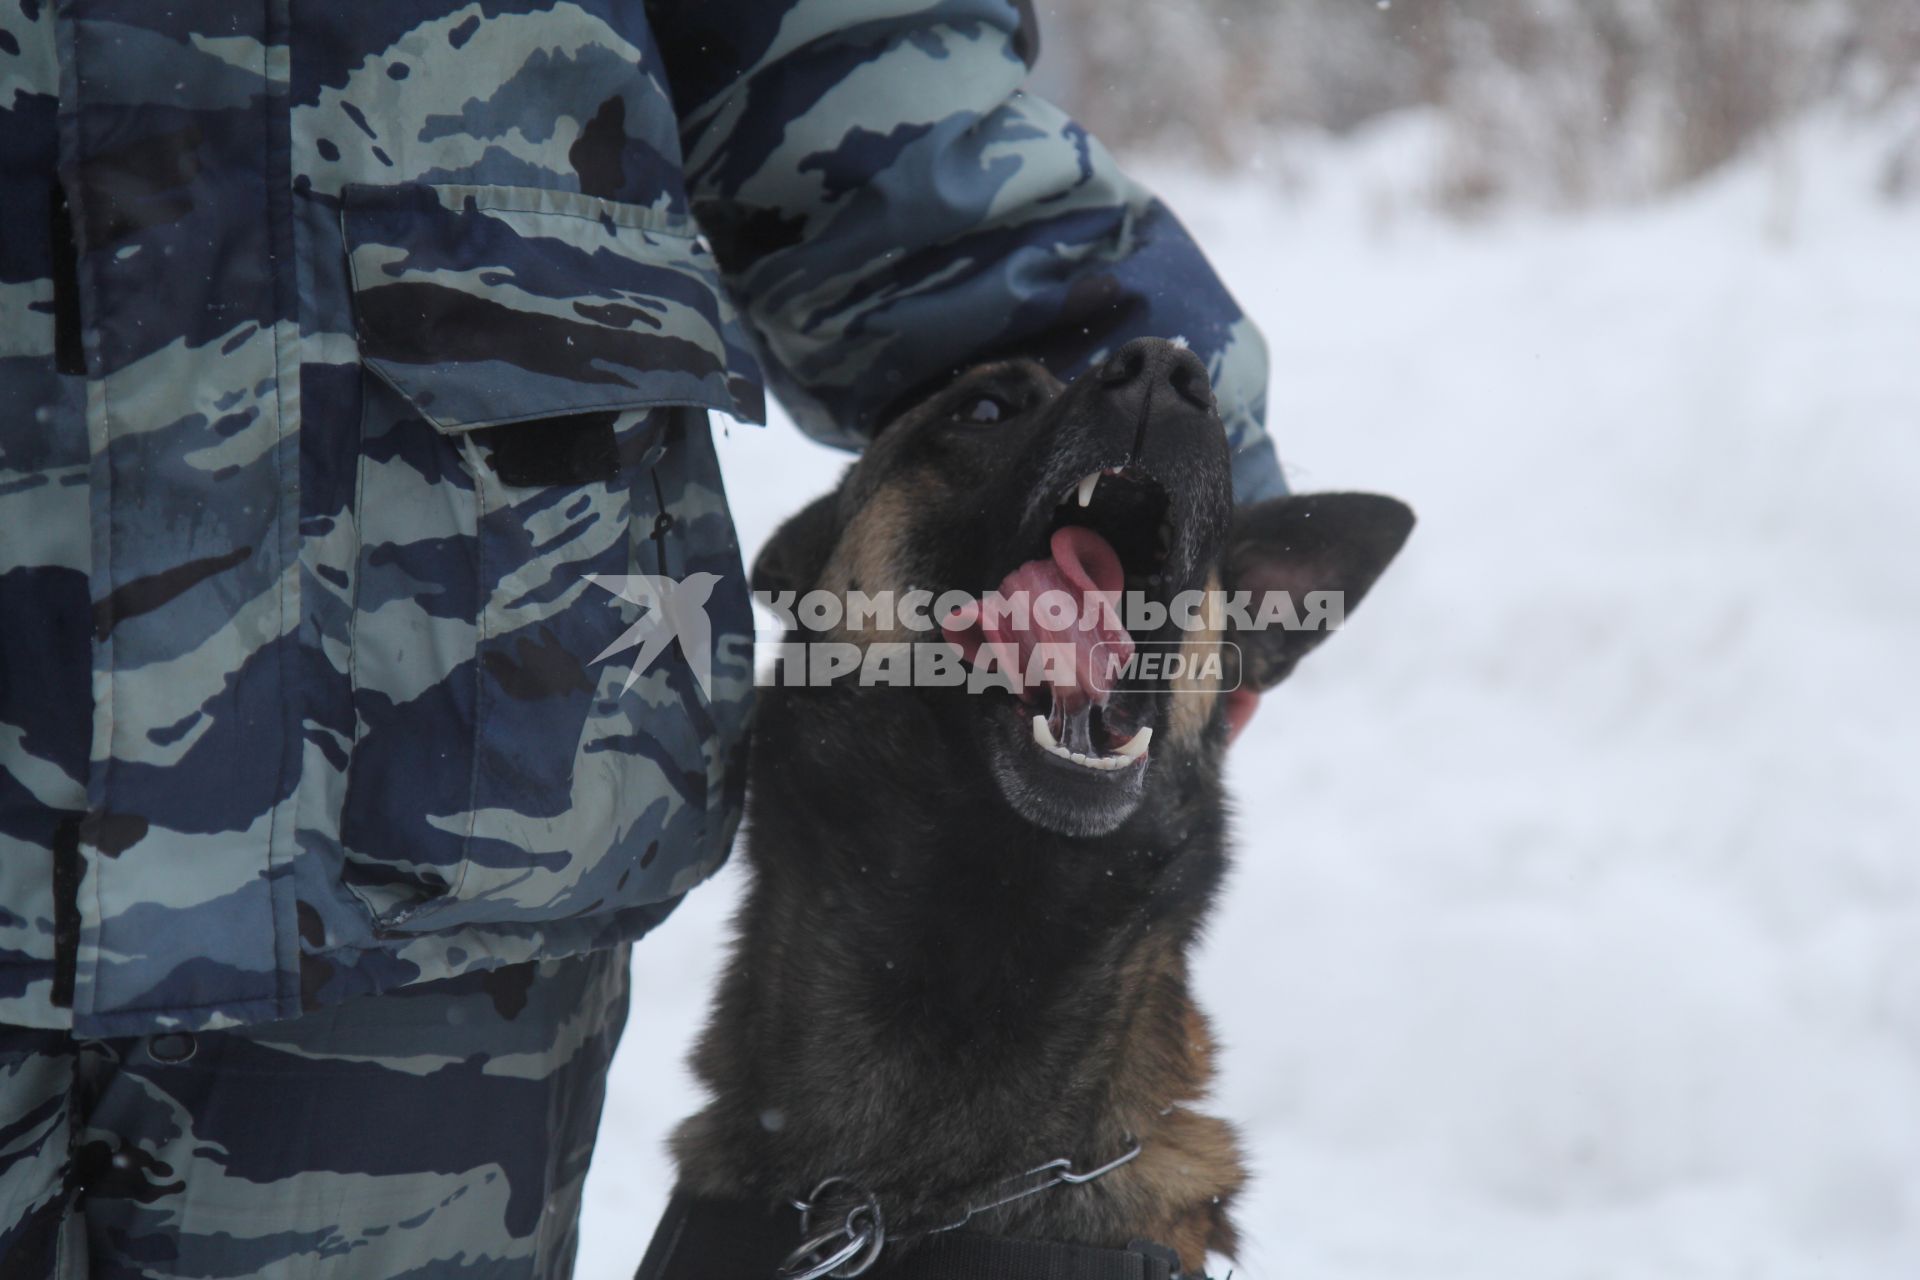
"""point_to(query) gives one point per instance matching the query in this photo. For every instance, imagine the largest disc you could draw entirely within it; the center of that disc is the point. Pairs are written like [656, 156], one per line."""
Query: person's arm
[888, 207]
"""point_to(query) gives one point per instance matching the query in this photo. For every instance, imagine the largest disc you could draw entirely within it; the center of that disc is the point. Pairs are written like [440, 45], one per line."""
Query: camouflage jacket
[340, 341]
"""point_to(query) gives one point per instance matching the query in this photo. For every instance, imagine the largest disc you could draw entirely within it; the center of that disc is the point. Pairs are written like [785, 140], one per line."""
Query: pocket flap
[490, 305]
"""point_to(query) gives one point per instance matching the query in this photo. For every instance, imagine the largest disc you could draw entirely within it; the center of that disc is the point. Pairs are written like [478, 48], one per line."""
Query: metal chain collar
[847, 1248]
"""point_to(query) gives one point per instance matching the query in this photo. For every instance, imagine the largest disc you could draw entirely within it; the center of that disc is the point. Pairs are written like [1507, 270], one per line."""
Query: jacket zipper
[69, 353]
[67, 872]
[69, 357]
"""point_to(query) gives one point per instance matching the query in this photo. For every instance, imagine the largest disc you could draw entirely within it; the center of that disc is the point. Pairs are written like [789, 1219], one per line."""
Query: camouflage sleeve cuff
[888, 208]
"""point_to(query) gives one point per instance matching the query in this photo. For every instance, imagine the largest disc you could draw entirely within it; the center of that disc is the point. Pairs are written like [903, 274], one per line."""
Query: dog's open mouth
[1057, 621]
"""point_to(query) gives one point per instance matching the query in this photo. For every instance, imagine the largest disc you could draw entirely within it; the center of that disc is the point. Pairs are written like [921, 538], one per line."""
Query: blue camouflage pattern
[442, 1132]
[341, 343]
[891, 208]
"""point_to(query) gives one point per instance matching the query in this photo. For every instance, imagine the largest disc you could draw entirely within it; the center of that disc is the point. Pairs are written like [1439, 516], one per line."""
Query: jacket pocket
[488, 305]
[534, 472]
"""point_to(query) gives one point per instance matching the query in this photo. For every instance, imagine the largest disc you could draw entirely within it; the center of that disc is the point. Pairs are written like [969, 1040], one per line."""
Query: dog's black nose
[1145, 364]
[1149, 405]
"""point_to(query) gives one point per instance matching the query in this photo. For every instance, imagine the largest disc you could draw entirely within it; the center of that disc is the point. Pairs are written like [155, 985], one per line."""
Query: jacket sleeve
[888, 208]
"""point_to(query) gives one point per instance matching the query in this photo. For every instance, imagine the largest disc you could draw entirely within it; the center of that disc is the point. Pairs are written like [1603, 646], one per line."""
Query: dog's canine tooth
[1086, 488]
[1041, 733]
[1136, 746]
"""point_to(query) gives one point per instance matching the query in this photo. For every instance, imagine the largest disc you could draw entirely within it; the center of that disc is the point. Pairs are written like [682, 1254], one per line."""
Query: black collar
[736, 1240]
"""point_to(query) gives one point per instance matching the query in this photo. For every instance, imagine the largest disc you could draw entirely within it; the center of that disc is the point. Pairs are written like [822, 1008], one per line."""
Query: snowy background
[1575, 930]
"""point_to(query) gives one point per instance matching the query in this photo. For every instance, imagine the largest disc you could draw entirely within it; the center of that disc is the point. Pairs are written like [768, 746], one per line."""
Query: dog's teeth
[1041, 733]
[1086, 488]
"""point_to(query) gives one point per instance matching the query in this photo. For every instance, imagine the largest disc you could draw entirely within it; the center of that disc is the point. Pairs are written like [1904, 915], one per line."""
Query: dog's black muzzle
[1147, 415]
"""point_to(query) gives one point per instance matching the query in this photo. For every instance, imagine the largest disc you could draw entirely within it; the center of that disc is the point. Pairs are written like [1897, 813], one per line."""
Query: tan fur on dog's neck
[1189, 1168]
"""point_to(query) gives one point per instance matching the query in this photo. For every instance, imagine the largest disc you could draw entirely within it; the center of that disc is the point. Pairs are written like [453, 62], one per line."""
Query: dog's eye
[983, 410]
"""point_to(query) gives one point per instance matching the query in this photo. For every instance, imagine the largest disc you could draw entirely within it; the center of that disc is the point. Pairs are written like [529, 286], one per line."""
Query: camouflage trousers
[435, 1131]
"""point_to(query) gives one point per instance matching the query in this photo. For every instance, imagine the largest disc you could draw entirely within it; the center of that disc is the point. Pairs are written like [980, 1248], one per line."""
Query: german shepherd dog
[963, 954]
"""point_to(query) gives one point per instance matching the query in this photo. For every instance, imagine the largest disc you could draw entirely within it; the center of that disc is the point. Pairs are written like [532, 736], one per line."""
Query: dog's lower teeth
[1126, 755]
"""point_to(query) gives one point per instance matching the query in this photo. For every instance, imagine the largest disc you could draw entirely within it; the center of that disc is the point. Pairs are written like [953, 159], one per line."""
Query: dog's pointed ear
[1337, 543]
[794, 557]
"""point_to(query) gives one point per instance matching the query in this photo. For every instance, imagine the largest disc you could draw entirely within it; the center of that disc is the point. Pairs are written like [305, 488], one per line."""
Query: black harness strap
[734, 1240]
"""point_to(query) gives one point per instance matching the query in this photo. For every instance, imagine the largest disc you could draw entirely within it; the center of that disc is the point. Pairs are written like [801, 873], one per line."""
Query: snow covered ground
[1575, 933]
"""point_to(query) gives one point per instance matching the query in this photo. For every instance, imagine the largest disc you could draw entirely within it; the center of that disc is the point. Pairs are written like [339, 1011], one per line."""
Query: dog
[961, 964]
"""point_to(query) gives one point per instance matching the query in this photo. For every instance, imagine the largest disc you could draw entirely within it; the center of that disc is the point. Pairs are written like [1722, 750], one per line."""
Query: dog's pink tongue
[1084, 571]
[1087, 560]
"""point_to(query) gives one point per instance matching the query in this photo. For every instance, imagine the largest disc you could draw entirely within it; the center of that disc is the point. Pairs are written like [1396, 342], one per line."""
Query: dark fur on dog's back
[939, 980]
